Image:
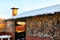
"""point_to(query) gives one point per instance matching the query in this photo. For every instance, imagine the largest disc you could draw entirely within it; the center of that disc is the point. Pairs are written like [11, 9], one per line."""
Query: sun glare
[3, 17]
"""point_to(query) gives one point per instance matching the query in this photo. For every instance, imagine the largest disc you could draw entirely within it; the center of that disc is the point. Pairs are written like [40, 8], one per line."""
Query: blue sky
[23, 5]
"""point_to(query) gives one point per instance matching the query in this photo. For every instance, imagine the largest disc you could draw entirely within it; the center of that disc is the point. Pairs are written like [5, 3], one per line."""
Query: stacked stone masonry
[44, 26]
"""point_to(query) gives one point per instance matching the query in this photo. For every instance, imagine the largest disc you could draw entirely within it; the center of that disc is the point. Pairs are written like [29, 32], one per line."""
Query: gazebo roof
[41, 11]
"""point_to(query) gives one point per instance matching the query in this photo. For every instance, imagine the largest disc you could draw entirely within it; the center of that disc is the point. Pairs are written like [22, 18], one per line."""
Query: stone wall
[44, 26]
[10, 29]
[10, 26]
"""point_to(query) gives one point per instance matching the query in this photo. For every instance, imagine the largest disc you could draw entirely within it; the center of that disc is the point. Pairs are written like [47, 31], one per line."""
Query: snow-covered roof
[41, 11]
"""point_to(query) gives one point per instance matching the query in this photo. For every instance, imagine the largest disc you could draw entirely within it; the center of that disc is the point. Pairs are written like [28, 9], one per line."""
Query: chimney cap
[14, 8]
